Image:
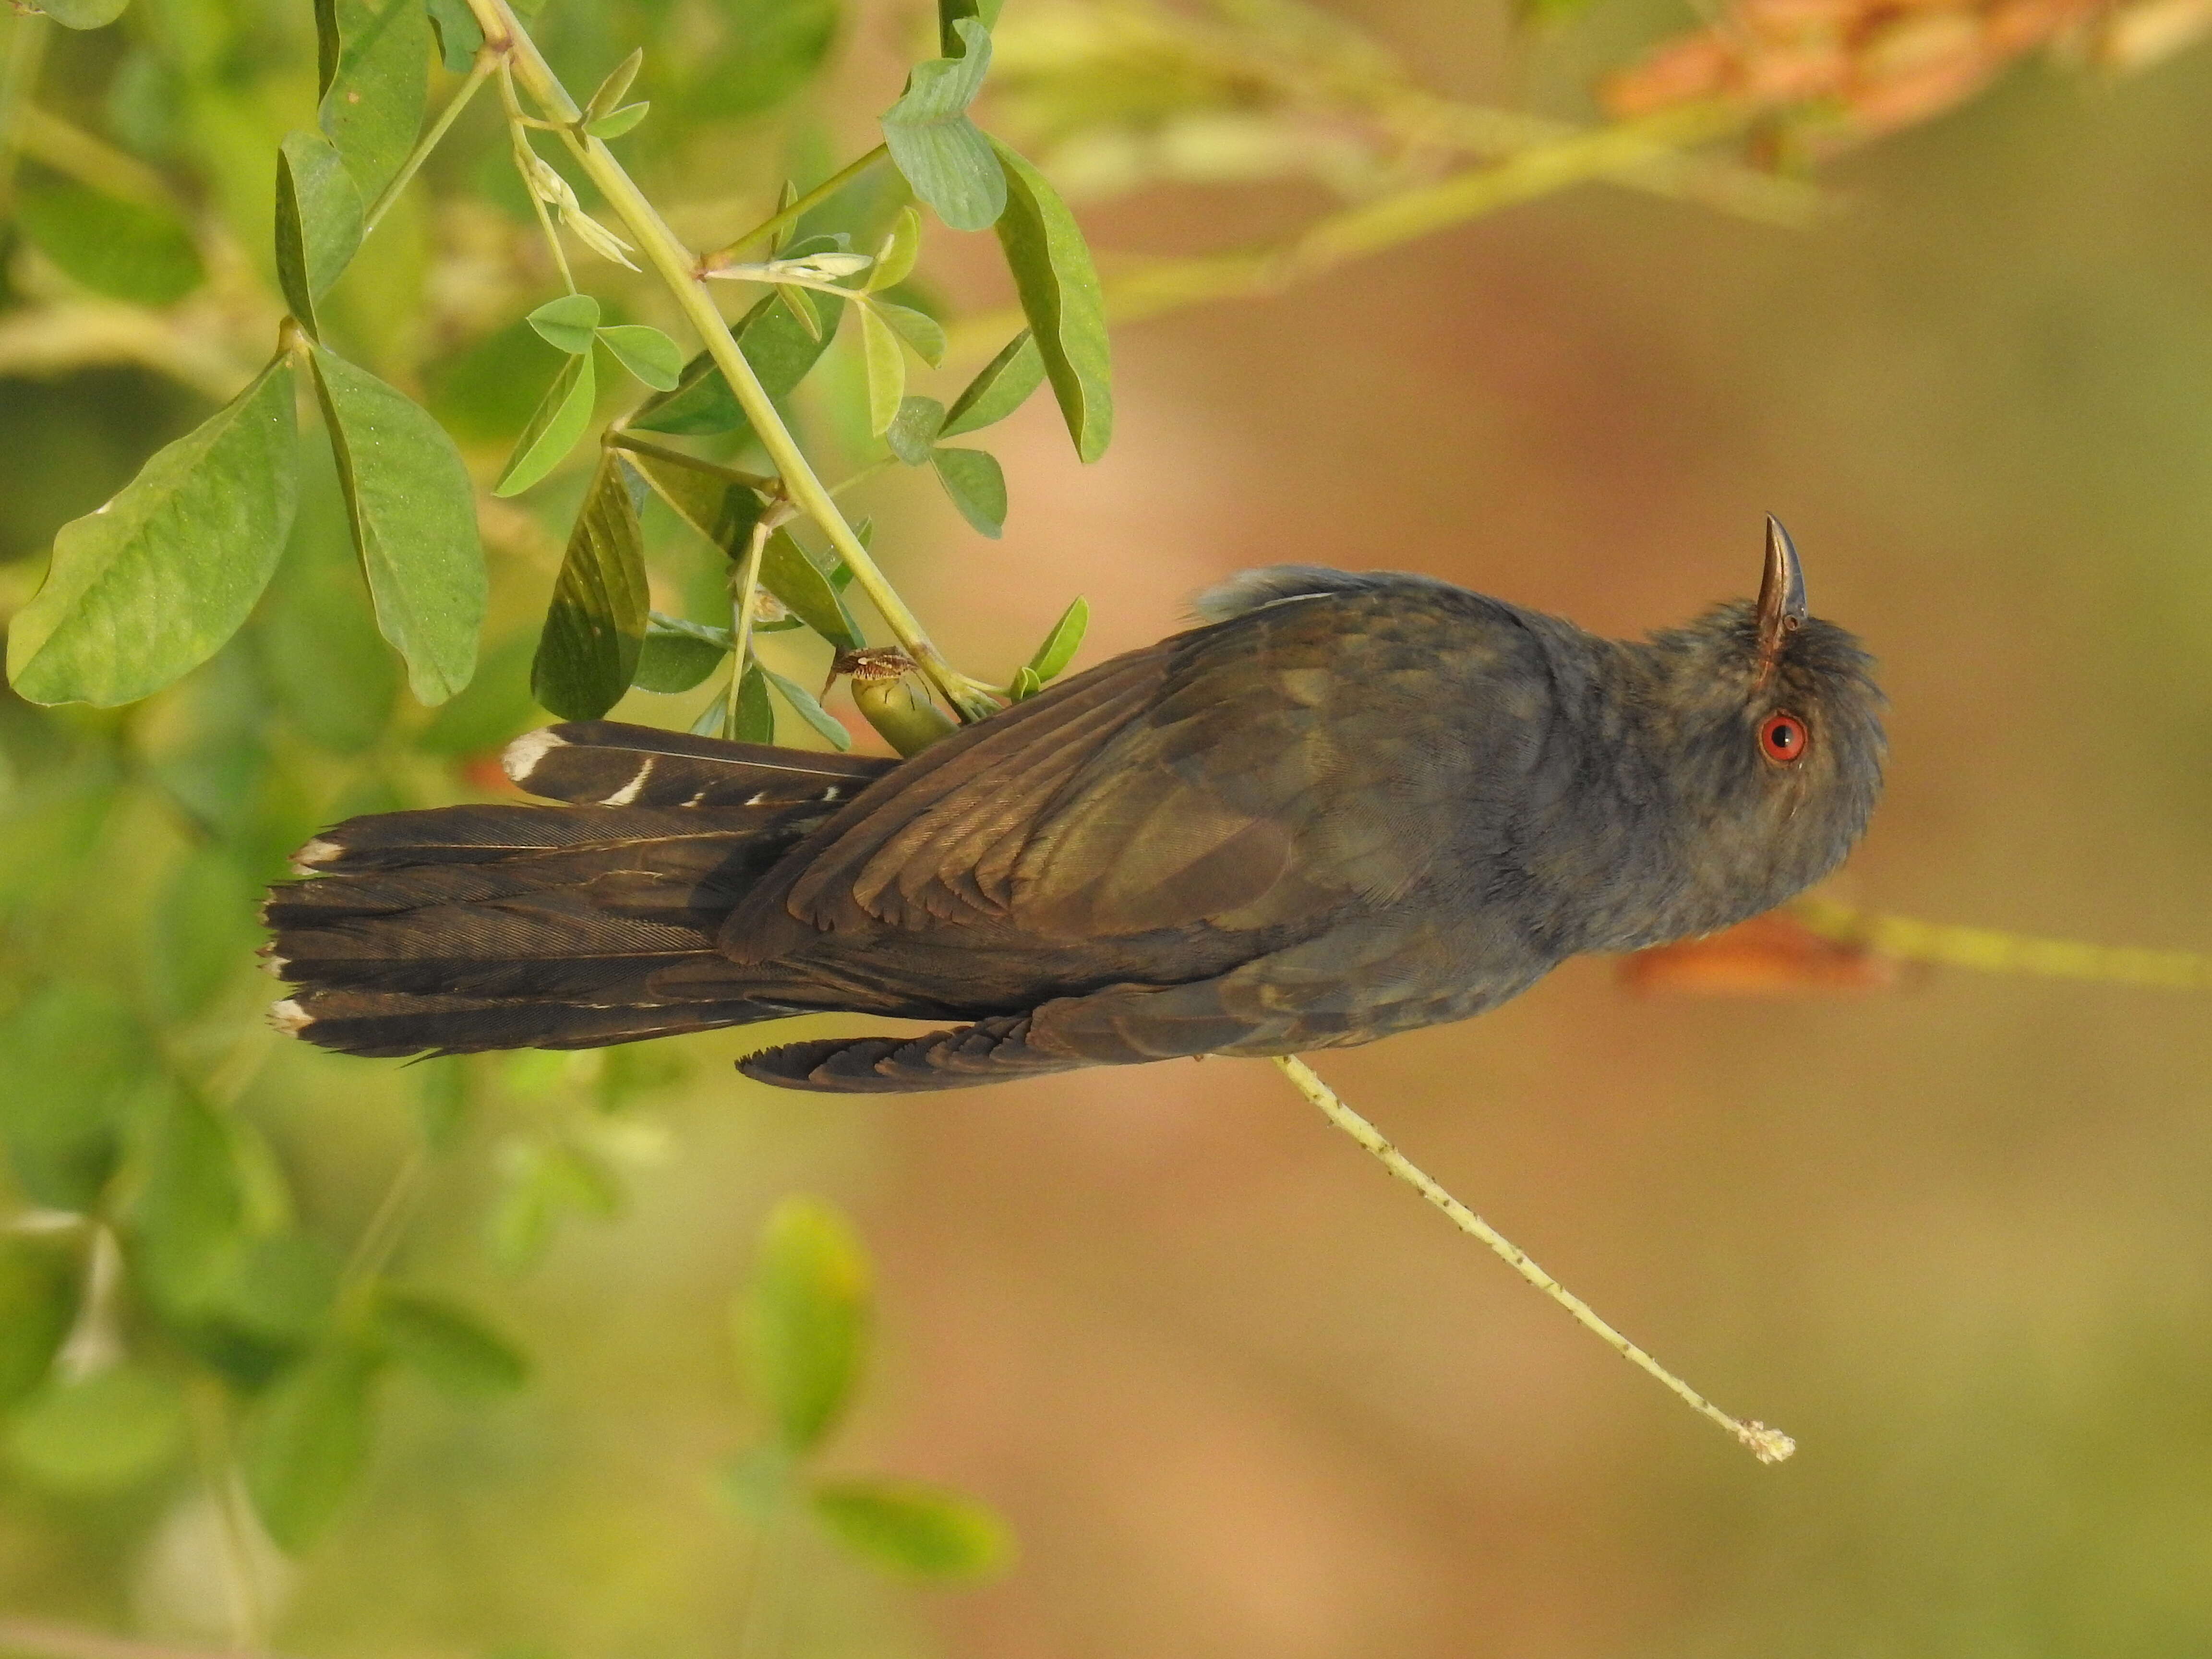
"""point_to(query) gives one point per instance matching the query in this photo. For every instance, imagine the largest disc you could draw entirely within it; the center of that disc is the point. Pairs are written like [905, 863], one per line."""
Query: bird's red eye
[1782, 738]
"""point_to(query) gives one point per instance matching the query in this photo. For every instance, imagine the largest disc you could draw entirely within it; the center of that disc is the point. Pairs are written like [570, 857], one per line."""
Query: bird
[1344, 805]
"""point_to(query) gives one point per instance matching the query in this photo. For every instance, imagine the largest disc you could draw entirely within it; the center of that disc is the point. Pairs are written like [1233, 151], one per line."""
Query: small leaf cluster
[804, 1329]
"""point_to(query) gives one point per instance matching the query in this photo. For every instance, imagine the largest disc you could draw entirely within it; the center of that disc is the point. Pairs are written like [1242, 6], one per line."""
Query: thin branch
[1767, 1445]
[479, 72]
[679, 268]
[631, 441]
[69, 149]
[743, 593]
[1985, 950]
[769, 230]
[25, 56]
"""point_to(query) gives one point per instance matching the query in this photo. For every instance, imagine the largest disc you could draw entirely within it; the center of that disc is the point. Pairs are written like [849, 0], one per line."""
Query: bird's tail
[461, 928]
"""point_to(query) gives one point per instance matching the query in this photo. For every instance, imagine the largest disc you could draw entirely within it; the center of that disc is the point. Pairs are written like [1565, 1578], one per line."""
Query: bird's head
[1771, 730]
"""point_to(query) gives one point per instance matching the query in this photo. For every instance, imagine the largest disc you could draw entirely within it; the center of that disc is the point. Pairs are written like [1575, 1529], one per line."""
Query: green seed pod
[889, 693]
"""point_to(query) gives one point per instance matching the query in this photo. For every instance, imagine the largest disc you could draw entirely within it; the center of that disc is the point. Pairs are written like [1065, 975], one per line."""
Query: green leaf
[82, 13]
[948, 13]
[914, 1530]
[497, 706]
[774, 48]
[900, 248]
[38, 1280]
[459, 34]
[941, 152]
[541, 1182]
[617, 122]
[808, 708]
[127, 250]
[678, 656]
[153, 584]
[886, 369]
[758, 1482]
[414, 520]
[976, 485]
[721, 509]
[74, 1059]
[569, 323]
[314, 634]
[781, 351]
[98, 1434]
[1002, 387]
[646, 353]
[800, 303]
[1060, 645]
[376, 90]
[608, 93]
[803, 1322]
[1025, 685]
[589, 650]
[561, 416]
[918, 329]
[787, 573]
[448, 1345]
[1059, 295]
[319, 222]
[756, 722]
[202, 931]
[307, 1443]
[914, 429]
[188, 1216]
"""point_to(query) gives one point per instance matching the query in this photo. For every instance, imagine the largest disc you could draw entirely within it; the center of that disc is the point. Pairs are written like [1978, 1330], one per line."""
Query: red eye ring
[1783, 737]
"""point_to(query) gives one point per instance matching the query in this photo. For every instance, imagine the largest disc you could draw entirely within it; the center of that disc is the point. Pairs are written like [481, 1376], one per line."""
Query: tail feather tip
[521, 758]
[289, 1017]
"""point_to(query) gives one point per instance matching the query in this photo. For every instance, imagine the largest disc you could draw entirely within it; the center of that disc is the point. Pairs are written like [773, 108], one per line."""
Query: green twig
[745, 591]
[479, 71]
[518, 135]
[769, 230]
[636, 444]
[1767, 1445]
[26, 55]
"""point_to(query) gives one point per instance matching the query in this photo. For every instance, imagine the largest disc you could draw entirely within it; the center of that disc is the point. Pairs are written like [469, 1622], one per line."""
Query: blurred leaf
[1059, 295]
[886, 367]
[188, 1216]
[39, 1279]
[781, 352]
[895, 263]
[758, 1482]
[808, 708]
[596, 623]
[441, 1092]
[459, 34]
[918, 329]
[126, 250]
[414, 519]
[677, 659]
[914, 428]
[617, 122]
[947, 160]
[773, 49]
[448, 1344]
[319, 222]
[646, 353]
[203, 931]
[568, 324]
[486, 394]
[540, 1183]
[976, 485]
[496, 707]
[81, 13]
[307, 1443]
[787, 573]
[804, 1319]
[376, 91]
[153, 583]
[1062, 644]
[923, 1532]
[278, 1288]
[98, 1434]
[75, 1059]
[561, 416]
[1002, 387]
[314, 633]
[608, 95]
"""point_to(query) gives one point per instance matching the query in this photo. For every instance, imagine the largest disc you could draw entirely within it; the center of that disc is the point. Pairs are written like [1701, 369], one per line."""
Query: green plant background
[1235, 1392]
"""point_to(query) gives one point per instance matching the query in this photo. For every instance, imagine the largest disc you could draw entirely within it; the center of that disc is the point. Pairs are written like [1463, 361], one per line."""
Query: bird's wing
[1260, 772]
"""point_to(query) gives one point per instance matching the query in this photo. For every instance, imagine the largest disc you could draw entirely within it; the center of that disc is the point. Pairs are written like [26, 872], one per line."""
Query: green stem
[679, 268]
[479, 72]
[18, 74]
[637, 445]
[518, 135]
[741, 615]
[1767, 1445]
[769, 230]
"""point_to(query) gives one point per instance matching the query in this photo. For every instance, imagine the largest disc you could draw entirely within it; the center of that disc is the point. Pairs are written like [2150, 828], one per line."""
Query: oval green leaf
[808, 707]
[82, 13]
[98, 1434]
[376, 83]
[914, 429]
[414, 519]
[812, 595]
[74, 1056]
[561, 417]
[319, 220]
[617, 122]
[459, 34]
[596, 623]
[914, 1530]
[127, 250]
[1001, 387]
[569, 323]
[803, 1322]
[448, 1345]
[1060, 645]
[1060, 296]
[886, 369]
[307, 1443]
[976, 485]
[38, 1280]
[153, 583]
[931, 141]
[608, 93]
[900, 248]
[679, 655]
[646, 353]
[917, 328]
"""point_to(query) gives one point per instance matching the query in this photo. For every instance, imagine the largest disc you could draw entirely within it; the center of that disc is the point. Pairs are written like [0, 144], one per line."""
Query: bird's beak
[1781, 596]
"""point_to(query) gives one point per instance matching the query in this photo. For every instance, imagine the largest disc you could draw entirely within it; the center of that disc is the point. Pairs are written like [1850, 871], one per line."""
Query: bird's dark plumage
[1345, 805]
